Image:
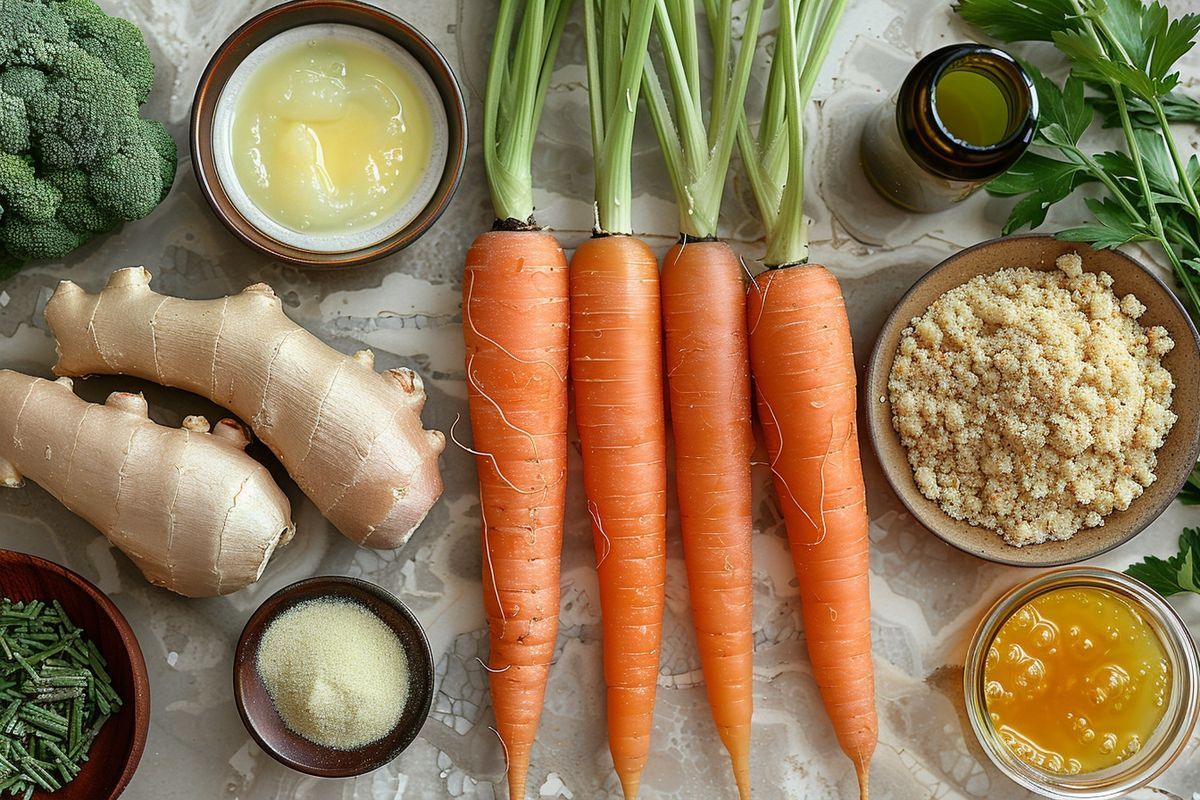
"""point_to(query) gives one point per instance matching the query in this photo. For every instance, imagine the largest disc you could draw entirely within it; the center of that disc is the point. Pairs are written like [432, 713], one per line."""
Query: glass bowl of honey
[1082, 683]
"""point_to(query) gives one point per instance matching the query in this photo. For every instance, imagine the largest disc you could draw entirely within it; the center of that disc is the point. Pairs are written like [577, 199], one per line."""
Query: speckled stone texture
[927, 597]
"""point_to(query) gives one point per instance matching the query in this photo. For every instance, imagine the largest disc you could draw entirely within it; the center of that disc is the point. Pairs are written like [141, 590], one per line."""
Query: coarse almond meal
[1032, 402]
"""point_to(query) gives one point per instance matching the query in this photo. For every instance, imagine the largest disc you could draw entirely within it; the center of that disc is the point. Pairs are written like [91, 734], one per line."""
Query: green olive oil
[964, 114]
[972, 107]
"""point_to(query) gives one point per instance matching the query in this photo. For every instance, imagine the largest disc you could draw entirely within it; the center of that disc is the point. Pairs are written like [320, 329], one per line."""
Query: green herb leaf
[1031, 20]
[1133, 25]
[1065, 107]
[1176, 106]
[1172, 43]
[1179, 573]
[1092, 63]
[1113, 227]
[1044, 180]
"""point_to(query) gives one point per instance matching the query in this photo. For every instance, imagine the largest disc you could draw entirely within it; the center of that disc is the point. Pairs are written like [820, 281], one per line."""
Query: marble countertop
[927, 597]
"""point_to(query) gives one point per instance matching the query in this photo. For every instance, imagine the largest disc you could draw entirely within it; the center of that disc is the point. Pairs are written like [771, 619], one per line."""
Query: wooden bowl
[1175, 459]
[117, 750]
[265, 724]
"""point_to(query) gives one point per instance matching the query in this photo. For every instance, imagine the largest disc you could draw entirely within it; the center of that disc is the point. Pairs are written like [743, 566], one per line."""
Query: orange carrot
[515, 327]
[515, 318]
[707, 354]
[802, 359]
[708, 371]
[616, 367]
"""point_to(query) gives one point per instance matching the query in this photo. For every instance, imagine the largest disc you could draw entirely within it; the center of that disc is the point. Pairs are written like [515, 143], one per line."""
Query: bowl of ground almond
[1036, 402]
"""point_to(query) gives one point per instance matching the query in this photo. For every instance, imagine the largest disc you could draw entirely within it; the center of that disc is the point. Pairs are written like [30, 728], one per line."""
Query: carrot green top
[518, 76]
[698, 157]
[775, 157]
[618, 32]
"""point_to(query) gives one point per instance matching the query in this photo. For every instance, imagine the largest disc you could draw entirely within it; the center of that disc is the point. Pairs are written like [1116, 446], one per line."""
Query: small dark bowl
[1176, 457]
[294, 14]
[264, 722]
[117, 750]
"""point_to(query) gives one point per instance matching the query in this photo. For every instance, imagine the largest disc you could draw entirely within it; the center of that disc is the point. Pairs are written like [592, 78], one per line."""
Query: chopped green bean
[55, 696]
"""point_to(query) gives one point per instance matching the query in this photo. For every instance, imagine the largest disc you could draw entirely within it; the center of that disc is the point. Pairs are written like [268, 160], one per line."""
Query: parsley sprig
[1123, 55]
[1179, 573]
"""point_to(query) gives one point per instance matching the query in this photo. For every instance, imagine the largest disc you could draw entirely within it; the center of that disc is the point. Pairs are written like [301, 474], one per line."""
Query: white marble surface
[927, 597]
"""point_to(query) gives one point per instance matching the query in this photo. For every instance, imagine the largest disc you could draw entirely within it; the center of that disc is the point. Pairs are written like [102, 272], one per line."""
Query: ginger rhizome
[350, 437]
[195, 513]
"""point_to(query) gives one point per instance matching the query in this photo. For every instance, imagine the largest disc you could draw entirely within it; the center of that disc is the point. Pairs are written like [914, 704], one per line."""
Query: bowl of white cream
[328, 133]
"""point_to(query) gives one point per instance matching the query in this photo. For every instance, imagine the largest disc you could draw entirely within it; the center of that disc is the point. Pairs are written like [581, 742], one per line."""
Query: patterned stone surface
[927, 597]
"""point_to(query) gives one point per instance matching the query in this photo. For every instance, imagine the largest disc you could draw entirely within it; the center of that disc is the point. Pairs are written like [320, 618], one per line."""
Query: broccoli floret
[27, 241]
[76, 159]
[115, 41]
[29, 31]
[78, 210]
[130, 181]
[24, 194]
[14, 124]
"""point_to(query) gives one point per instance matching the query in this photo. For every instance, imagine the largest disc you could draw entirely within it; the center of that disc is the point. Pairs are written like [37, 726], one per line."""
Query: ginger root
[195, 514]
[350, 437]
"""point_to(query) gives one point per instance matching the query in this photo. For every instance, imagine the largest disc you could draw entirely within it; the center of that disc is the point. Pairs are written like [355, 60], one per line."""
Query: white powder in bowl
[336, 673]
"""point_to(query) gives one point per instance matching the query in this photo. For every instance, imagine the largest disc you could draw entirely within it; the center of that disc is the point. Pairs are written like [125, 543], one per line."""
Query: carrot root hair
[493, 670]
[594, 511]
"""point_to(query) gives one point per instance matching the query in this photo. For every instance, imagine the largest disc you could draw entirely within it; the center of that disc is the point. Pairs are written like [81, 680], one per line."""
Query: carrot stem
[774, 158]
[697, 155]
[518, 79]
[616, 35]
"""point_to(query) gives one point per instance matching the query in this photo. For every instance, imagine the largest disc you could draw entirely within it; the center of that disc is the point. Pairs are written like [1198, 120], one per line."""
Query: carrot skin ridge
[708, 376]
[616, 369]
[515, 323]
[802, 360]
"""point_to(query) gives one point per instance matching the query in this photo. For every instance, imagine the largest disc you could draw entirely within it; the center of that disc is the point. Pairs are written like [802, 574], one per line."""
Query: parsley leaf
[1178, 107]
[1065, 107]
[1032, 20]
[1044, 180]
[1179, 573]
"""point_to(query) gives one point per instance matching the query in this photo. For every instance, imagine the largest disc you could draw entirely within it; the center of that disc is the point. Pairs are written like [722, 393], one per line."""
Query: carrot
[515, 328]
[707, 355]
[704, 307]
[802, 361]
[515, 318]
[616, 367]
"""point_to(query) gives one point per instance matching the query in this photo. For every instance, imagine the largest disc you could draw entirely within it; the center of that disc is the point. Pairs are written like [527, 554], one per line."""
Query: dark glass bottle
[964, 115]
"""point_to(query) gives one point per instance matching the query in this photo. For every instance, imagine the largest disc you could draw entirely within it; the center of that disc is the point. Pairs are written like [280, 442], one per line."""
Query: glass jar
[925, 160]
[1164, 745]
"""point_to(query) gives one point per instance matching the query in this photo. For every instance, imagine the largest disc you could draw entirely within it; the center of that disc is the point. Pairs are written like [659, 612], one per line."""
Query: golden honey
[1076, 681]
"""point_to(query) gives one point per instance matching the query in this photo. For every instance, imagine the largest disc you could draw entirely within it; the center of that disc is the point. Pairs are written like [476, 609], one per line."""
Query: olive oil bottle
[964, 115]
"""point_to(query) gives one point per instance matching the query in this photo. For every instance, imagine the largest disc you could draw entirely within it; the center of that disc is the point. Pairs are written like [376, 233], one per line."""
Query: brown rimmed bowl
[1175, 459]
[118, 748]
[293, 750]
[272, 22]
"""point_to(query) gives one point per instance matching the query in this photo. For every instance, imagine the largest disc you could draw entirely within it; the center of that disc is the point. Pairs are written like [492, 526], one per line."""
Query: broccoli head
[76, 159]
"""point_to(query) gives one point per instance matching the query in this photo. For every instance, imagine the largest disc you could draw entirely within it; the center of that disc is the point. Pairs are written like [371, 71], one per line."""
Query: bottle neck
[928, 135]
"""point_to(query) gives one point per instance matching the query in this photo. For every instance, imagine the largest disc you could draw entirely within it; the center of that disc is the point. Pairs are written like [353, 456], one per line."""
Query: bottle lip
[1170, 737]
[934, 144]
